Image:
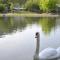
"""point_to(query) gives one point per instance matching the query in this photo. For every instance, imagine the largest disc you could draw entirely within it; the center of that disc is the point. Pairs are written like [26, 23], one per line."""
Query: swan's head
[37, 35]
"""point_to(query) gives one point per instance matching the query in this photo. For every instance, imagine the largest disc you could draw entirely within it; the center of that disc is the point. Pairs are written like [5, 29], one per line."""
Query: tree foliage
[2, 8]
[45, 5]
[52, 5]
[32, 5]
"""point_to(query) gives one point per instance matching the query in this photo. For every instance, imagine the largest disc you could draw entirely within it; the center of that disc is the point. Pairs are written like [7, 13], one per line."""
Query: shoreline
[29, 15]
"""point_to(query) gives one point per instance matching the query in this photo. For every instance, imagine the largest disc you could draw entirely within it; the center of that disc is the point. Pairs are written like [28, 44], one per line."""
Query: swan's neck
[36, 56]
[37, 46]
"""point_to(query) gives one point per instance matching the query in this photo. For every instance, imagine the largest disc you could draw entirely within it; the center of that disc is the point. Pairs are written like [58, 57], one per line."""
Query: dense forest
[31, 5]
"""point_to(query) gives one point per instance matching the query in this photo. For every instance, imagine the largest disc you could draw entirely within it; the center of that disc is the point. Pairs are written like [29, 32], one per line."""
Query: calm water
[17, 36]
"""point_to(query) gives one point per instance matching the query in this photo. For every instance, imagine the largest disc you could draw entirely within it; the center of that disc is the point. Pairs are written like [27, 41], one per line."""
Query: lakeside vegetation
[39, 6]
[30, 14]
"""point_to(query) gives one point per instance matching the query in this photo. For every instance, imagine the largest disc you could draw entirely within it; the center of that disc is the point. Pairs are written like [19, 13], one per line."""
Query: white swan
[50, 53]
[46, 54]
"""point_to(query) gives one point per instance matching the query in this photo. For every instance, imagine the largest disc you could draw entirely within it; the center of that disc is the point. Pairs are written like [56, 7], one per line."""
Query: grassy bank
[30, 15]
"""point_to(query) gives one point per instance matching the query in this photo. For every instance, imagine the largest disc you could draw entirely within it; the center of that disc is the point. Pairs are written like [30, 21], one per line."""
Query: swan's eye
[37, 34]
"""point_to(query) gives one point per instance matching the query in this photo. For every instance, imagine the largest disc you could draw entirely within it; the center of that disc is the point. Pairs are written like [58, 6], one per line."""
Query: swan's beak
[36, 37]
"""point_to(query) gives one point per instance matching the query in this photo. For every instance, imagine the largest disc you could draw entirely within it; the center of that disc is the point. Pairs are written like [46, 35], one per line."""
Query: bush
[47, 5]
[34, 8]
[2, 8]
[11, 6]
[28, 4]
[42, 5]
[52, 5]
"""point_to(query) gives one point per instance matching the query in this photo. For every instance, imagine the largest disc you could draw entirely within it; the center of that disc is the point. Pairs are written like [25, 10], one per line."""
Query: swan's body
[46, 54]
[50, 53]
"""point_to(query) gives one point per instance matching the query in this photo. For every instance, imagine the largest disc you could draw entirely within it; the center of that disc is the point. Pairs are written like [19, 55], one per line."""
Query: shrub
[2, 7]
[35, 8]
[52, 5]
[43, 4]
[11, 6]
[28, 4]
[32, 6]
[47, 5]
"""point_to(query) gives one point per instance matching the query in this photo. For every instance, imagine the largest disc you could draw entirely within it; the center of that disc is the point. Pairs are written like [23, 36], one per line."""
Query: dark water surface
[17, 36]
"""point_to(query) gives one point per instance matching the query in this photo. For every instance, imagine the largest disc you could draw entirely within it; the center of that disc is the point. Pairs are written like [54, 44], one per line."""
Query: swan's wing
[48, 53]
[58, 59]
[58, 51]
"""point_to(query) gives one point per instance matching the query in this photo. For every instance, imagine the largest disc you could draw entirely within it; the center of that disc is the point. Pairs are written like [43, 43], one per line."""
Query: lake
[17, 36]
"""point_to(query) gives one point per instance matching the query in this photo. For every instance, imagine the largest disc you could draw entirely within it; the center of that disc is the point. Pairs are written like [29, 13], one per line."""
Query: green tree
[52, 5]
[2, 8]
[47, 5]
[32, 5]
[43, 4]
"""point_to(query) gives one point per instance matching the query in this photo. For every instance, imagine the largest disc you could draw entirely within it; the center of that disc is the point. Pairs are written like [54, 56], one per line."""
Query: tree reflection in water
[9, 25]
[47, 24]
